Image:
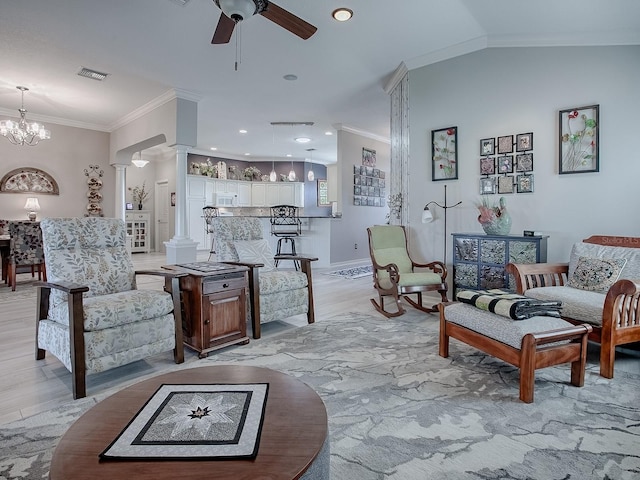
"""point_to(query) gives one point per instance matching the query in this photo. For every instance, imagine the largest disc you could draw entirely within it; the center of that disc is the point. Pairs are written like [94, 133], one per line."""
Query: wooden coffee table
[293, 433]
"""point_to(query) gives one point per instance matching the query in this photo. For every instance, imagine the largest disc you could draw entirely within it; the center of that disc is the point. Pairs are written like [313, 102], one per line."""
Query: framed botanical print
[487, 166]
[524, 142]
[487, 185]
[524, 183]
[579, 142]
[505, 164]
[505, 144]
[505, 184]
[524, 162]
[444, 154]
[487, 146]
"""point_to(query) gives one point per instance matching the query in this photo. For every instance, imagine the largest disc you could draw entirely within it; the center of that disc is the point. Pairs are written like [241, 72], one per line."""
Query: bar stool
[208, 213]
[286, 225]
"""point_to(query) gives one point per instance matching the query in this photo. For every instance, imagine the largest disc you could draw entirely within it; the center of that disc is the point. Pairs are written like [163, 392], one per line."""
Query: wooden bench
[530, 344]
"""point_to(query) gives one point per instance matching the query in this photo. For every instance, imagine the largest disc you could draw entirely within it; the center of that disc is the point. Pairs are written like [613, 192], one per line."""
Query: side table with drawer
[214, 305]
[479, 260]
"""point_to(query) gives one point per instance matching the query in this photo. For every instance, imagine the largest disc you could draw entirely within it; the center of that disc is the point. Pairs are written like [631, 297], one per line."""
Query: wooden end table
[214, 305]
[293, 433]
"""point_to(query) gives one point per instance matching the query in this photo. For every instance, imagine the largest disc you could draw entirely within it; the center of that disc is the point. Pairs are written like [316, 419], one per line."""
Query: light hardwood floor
[28, 386]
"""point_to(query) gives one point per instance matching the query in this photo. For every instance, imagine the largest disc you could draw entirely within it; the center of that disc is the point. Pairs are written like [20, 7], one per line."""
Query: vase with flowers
[495, 219]
[139, 194]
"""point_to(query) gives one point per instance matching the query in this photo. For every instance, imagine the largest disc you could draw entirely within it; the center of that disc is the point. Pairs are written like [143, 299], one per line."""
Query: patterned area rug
[355, 272]
[397, 410]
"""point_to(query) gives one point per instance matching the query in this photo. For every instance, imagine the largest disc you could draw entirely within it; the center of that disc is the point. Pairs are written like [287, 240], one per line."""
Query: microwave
[225, 199]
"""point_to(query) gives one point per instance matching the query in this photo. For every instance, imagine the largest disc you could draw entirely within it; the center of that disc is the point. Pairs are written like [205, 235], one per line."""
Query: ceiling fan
[234, 11]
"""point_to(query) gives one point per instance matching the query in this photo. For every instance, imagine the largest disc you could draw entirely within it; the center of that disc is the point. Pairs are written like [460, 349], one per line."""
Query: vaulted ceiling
[155, 48]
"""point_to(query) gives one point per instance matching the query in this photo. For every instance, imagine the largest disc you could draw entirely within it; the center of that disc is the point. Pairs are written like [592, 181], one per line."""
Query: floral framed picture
[524, 183]
[505, 144]
[368, 157]
[487, 186]
[579, 142]
[524, 142]
[505, 164]
[444, 154]
[487, 166]
[488, 146]
[505, 184]
[524, 162]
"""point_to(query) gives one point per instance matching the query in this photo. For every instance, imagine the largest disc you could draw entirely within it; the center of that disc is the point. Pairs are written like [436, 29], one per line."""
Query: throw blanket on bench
[510, 305]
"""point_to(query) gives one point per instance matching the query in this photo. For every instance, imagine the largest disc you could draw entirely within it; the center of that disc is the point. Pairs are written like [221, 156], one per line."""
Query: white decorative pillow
[596, 274]
[255, 251]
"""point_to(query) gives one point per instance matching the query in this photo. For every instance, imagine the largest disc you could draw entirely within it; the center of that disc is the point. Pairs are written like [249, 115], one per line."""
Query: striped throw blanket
[510, 305]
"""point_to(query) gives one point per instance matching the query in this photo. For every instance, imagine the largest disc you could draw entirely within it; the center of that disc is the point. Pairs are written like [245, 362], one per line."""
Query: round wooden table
[293, 435]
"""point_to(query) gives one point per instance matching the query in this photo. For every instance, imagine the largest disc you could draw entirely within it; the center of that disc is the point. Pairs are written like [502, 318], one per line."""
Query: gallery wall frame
[524, 142]
[444, 154]
[579, 142]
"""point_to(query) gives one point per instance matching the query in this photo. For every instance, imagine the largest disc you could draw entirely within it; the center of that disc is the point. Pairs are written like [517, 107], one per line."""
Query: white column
[181, 249]
[121, 190]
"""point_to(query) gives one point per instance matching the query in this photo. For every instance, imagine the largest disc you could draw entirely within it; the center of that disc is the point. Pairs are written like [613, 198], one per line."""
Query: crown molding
[362, 133]
[473, 45]
[55, 120]
[395, 78]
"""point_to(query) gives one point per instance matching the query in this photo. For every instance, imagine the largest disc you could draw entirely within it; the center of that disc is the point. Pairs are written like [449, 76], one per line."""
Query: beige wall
[65, 156]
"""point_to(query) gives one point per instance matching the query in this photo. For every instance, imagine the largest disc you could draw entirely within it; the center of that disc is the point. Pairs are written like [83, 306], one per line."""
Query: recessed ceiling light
[242, 131]
[342, 14]
[328, 133]
[214, 148]
[302, 139]
[247, 154]
[288, 155]
[290, 76]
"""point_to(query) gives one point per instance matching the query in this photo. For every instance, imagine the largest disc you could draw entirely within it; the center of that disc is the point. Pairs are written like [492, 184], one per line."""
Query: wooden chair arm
[437, 267]
[66, 287]
[298, 257]
[621, 307]
[531, 275]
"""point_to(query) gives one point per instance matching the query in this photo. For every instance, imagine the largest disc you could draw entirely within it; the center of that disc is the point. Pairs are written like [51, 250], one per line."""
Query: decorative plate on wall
[94, 183]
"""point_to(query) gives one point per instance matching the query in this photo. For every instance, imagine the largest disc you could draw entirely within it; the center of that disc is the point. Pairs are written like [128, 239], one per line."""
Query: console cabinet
[479, 260]
[137, 223]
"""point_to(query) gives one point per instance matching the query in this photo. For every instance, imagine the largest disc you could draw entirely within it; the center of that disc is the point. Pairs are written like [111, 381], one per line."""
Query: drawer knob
[225, 285]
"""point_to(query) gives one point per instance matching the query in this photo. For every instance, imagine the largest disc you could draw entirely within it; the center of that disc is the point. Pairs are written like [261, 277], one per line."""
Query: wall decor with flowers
[506, 165]
[579, 143]
[444, 154]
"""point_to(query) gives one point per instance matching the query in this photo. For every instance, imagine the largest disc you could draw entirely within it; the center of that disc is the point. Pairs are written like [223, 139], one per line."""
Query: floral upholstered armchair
[90, 314]
[25, 250]
[273, 294]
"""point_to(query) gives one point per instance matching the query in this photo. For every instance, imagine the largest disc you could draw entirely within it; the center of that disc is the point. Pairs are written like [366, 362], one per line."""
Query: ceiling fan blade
[223, 30]
[288, 20]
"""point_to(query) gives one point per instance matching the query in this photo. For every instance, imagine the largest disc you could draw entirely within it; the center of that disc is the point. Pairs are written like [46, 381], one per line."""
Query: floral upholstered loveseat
[600, 286]
[274, 294]
[90, 315]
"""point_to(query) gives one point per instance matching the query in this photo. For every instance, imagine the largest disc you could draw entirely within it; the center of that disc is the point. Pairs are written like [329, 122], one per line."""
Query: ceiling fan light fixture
[238, 10]
[342, 14]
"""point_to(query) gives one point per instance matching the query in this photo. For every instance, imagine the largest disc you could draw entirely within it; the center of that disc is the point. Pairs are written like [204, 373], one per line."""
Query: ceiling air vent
[92, 74]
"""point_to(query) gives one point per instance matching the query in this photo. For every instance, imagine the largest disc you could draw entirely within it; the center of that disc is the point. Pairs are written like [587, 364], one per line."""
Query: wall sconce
[427, 215]
[32, 206]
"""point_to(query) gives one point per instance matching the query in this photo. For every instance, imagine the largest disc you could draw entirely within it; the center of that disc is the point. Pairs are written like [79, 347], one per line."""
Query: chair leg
[12, 277]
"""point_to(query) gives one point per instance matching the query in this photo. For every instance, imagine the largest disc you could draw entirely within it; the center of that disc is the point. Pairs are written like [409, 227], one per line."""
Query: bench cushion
[499, 328]
[578, 304]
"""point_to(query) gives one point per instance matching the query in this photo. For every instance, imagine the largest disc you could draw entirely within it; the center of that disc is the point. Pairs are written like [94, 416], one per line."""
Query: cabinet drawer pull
[225, 285]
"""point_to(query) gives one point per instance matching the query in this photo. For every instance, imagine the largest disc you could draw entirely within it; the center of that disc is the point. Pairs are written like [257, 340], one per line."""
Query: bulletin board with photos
[369, 186]
[506, 164]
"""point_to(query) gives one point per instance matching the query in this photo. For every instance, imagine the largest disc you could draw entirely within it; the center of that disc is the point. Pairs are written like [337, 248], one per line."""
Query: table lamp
[32, 206]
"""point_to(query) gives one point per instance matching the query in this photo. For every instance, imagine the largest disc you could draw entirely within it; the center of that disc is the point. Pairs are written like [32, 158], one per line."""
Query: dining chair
[25, 250]
[208, 213]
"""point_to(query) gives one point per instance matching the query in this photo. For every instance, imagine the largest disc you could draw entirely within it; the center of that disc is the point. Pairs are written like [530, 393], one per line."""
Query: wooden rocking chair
[394, 272]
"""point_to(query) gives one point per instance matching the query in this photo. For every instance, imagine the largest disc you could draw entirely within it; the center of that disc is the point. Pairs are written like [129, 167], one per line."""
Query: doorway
[162, 206]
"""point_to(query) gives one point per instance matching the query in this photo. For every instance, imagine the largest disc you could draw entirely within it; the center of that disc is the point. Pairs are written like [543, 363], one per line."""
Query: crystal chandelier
[23, 132]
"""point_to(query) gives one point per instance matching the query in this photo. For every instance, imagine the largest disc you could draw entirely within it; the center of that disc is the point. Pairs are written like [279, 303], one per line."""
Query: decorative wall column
[121, 190]
[399, 184]
[181, 249]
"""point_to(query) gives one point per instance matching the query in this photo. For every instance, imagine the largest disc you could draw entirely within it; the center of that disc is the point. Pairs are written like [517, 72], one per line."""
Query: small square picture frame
[505, 164]
[487, 166]
[487, 186]
[524, 183]
[524, 162]
[129, 206]
[505, 184]
[524, 142]
[505, 144]
[487, 147]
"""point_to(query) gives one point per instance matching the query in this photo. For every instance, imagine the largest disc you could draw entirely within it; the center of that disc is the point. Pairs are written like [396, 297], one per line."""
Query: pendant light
[272, 176]
[311, 176]
[292, 173]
